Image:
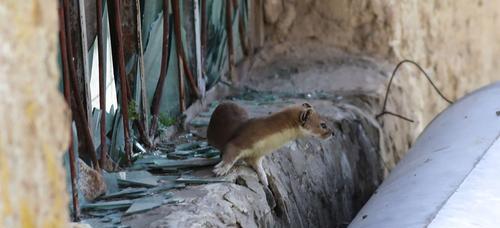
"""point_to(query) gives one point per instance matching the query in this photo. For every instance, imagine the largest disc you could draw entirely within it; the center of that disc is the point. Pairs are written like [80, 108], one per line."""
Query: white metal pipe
[450, 177]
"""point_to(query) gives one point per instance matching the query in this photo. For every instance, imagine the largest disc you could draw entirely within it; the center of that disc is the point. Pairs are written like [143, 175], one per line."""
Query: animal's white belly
[270, 143]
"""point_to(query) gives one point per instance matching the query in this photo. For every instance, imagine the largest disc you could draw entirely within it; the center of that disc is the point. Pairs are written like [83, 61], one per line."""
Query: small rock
[90, 182]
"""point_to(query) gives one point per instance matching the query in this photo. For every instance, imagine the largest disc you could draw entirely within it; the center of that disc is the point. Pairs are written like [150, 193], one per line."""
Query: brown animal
[240, 138]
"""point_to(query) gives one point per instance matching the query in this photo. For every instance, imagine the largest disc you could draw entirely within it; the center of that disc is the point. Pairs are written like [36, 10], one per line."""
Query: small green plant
[132, 110]
[166, 120]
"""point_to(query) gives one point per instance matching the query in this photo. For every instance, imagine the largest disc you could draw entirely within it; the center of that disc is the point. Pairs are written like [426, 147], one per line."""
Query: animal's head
[312, 123]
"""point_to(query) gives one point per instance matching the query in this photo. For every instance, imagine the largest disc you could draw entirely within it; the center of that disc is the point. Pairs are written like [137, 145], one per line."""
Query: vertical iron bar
[85, 53]
[143, 134]
[143, 103]
[182, 103]
[72, 168]
[180, 49]
[197, 36]
[123, 80]
[155, 106]
[204, 31]
[102, 83]
[80, 111]
[116, 59]
[229, 32]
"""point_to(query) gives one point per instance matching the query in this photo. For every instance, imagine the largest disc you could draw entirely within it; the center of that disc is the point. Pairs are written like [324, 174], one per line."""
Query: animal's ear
[307, 105]
[304, 116]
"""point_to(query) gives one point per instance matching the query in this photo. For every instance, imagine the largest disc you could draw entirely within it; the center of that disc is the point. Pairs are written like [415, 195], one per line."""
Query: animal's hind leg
[229, 157]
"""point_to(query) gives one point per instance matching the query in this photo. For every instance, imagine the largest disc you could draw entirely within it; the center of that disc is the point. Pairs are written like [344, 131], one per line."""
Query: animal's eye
[323, 125]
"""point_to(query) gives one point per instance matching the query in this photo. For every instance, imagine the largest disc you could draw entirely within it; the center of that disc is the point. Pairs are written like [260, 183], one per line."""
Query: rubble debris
[111, 205]
[198, 180]
[137, 178]
[137, 190]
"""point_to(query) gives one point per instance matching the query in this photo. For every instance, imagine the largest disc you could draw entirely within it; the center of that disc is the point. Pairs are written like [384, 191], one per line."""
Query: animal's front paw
[222, 168]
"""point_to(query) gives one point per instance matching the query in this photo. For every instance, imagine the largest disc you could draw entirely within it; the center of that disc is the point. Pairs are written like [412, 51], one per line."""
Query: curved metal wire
[384, 111]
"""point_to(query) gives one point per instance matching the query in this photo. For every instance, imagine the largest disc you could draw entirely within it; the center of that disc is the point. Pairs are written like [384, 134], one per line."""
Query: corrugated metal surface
[151, 15]
[215, 59]
[451, 176]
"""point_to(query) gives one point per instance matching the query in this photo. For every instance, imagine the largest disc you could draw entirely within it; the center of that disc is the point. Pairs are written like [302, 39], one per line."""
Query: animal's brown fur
[226, 118]
[240, 138]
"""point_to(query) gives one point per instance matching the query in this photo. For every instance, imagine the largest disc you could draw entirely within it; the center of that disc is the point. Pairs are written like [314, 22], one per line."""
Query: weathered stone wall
[34, 118]
[456, 41]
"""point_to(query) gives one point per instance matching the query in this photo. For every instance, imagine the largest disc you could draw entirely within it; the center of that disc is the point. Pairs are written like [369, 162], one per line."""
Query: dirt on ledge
[456, 42]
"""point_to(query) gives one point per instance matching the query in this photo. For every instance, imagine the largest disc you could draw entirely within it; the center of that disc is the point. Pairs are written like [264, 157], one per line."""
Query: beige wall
[33, 117]
[457, 41]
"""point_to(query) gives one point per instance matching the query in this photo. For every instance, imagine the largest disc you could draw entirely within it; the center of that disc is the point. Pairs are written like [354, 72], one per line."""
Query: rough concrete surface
[456, 41]
[33, 117]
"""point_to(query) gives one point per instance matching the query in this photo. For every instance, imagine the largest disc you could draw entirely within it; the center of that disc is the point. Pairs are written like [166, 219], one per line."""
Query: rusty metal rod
[114, 44]
[142, 134]
[127, 84]
[180, 48]
[123, 81]
[139, 123]
[80, 110]
[155, 107]
[229, 32]
[102, 84]
[204, 30]
[143, 103]
[241, 30]
[72, 168]
[85, 52]
[182, 103]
